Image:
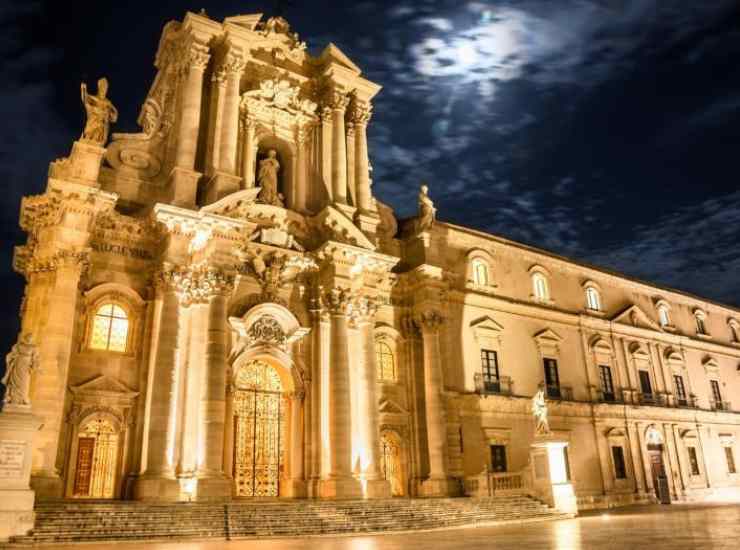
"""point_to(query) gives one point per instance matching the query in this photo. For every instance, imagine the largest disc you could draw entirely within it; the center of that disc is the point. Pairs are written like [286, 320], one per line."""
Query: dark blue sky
[605, 130]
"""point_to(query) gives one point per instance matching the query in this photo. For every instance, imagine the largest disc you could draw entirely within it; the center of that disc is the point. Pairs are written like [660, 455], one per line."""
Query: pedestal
[221, 185]
[377, 488]
[347, 487]
[367, 222]
[17, 428]
[442, 487]
[183, 187]
[157, 489]
[217, 488]
[296, 488]
[82, 165]
[550, 472]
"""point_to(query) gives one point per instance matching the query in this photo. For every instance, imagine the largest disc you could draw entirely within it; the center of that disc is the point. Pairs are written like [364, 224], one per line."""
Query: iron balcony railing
[720, 405]
[609, 397]
[487, 385]
[557, 391]
[656, 399]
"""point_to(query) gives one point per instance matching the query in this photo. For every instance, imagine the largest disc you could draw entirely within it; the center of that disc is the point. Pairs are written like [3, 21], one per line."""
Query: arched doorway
[259, 430]
[96, 460]
[391, 463]
[655, 449]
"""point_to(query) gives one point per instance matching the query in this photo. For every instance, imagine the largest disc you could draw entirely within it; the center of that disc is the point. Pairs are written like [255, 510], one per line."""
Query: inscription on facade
[12, 453]
[121, 250]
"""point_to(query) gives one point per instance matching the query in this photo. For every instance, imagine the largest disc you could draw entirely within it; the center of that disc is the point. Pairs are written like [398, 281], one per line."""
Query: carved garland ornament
[266, 330]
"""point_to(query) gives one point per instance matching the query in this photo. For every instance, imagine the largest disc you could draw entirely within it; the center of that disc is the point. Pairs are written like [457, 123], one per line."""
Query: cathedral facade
[223, 309]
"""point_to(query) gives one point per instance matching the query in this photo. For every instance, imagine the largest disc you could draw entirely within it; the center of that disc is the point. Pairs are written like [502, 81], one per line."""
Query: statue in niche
[267, 178]
[100, 113]
[427, 211]
[22, 360]
[539, 410]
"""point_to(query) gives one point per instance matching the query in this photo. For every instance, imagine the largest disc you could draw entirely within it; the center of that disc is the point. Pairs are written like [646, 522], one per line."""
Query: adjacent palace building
[223, 309]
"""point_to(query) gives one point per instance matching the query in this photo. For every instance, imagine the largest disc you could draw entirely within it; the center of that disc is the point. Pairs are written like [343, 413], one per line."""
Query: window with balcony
[693, 461]
[730, 458]
[607, 384]
[681, 397]
[620, 468]
[552, 378]
[646, 386]
[716, 395]
[489, 367]
[498, 459]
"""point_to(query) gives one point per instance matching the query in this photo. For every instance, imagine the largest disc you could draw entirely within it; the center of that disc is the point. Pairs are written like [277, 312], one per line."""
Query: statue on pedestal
[100, 113]
[427, 211]
[268, 179]
[22, 360]
[539, 410]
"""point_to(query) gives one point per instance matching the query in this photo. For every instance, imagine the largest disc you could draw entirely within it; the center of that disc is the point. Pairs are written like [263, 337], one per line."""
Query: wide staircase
[66, 522]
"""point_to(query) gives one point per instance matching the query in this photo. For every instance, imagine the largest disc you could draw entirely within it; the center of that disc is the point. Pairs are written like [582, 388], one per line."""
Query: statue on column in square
[22, 360]
[100, 113]
[268, 179]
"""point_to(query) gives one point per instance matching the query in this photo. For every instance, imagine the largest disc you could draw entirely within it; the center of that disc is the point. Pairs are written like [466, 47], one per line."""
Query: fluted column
[194, 63]
[339, 102]
[350, 140]
[248, 156]
[232, 66]
[338, 480]
[361, 117]
[326, 151]
[158, 479]
[213, 483]
[438, 482]
[300, 189]
[213, 153]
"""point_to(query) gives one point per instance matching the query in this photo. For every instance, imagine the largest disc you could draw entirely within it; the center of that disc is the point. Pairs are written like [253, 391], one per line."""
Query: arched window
[539, 285]
[385, 361]
[700, 317]
[480, 272]
[593, 300]
[734, 331]
[109, 328]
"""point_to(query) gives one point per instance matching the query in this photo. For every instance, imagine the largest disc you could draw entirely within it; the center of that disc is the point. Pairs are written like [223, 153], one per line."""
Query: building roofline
[602, 270]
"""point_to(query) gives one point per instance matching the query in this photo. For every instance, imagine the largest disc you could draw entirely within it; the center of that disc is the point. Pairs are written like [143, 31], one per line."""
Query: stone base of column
[214, 489]
[220, 185]
[157, 489]
[183, 187]
[345, 209]
[296, 488]
[47, 486]
[439, 487]
[82, 165]
[312, 488]
[367, 222]
[346, 487]
[377, 488]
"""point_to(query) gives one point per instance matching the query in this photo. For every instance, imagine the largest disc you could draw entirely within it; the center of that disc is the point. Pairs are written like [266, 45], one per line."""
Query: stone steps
[65, 522]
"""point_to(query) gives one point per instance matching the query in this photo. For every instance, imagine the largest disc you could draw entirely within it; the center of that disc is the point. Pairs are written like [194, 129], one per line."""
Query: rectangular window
[620, 470]
[730, 461]
[700, 329]
[498, 458]
[693, 461]
[716, 394]
[680, 390]
[489, 365]
[552, 380]
[567, 463]
[647, 388]
[607, 385]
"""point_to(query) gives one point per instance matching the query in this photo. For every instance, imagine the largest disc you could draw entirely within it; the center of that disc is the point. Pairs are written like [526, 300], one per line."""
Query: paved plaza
[653, 527]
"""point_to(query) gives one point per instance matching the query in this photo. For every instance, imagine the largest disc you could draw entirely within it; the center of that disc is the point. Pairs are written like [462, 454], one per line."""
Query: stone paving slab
[677, 527]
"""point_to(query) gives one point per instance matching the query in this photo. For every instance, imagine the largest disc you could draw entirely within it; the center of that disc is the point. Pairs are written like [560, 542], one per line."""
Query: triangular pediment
[337, 227]
[333, 53]
[388, 406]
[634, 316]
[486, 323]
[246, 21]
[548, 336]
[103, 385]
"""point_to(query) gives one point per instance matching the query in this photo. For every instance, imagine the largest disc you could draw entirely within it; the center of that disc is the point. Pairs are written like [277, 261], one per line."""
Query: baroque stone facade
[223, 308]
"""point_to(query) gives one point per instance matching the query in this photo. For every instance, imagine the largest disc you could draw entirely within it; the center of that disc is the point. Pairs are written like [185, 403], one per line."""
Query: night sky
[607, 131]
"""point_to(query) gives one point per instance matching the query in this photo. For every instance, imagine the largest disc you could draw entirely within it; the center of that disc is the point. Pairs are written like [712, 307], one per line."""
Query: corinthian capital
[364, 309]
[194, 283]
[337, 100]
[232, 64]
[195, 55]
[429, 321]
[361, 113]
[338, 300]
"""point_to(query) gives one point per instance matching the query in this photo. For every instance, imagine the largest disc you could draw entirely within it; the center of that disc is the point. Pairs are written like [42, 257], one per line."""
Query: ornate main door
[97, 453]
[259, 431]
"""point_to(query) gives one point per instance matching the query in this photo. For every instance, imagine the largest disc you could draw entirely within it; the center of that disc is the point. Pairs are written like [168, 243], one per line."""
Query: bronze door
[83, 472]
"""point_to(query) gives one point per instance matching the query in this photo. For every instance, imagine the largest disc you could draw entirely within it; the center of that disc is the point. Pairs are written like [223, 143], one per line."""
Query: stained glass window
[385, 361]
[110, 328]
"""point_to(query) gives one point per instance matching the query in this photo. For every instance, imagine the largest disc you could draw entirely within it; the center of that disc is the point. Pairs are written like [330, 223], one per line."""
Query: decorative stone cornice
[195, 283]
[27, 263]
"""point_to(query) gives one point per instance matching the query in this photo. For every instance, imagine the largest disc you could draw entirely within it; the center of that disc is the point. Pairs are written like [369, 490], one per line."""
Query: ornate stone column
[338, 480]
[184, 179]
[326, 151]
[212, 481]
[438, 482]
[297, 476]
[361, 116]
[158, 481]
[233, 66]
[299, 193]
[218, 88]
[377, 487]
[55, 330]
[248, 156]
[339, 102]
[350, 140]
